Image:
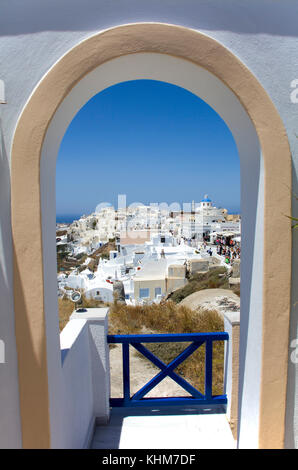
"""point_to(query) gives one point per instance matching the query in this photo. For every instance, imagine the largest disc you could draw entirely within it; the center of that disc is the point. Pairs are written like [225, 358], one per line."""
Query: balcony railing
[167, 370]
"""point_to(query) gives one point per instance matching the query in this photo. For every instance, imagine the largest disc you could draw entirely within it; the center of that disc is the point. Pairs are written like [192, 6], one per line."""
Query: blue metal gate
[167, 370]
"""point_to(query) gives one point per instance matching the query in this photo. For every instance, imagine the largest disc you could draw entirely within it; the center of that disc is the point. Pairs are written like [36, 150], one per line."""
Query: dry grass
[166, 317]
[169, 317]
[66, 308]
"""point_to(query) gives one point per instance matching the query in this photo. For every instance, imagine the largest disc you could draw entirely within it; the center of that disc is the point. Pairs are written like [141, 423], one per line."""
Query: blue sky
[154, 142]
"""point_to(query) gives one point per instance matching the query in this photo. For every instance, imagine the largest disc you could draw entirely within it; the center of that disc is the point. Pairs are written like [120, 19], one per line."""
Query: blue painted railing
[167, 370]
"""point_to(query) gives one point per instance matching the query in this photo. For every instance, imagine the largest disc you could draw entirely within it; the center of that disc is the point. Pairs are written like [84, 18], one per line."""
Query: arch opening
[204, 85]
[148, 141]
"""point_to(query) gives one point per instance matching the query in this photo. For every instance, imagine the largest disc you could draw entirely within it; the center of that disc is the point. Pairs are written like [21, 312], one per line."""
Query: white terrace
[89, 421]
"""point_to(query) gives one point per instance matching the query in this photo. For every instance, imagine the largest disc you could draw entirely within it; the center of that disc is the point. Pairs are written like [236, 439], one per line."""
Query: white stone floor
[164, 429]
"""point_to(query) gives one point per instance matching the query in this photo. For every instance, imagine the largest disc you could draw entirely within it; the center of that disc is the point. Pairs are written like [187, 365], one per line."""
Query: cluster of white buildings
[154, 247]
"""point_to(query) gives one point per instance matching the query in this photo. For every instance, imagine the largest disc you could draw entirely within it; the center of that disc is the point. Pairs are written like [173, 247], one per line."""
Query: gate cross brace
[167, 370]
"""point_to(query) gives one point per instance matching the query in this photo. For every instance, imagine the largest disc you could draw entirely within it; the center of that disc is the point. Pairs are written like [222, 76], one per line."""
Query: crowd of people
[225, 246]
[228, 248]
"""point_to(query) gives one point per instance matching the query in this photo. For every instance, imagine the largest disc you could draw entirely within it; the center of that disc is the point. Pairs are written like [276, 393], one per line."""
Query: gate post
[97, 319]
[231, 371]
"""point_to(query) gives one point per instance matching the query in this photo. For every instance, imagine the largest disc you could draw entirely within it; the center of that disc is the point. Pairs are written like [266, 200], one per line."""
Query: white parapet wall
[85, 375]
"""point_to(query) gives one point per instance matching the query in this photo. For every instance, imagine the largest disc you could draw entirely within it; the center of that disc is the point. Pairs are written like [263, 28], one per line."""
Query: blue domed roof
[206, 199]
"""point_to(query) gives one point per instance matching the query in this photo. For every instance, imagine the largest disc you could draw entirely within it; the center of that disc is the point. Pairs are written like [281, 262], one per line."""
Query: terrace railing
[167, 370]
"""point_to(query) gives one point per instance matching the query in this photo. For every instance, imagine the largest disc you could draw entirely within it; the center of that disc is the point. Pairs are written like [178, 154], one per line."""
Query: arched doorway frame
[31, 322]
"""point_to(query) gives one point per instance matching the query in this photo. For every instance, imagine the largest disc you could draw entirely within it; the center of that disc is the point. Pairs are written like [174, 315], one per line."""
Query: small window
[162, 239]
[157, 291]
[144, 293]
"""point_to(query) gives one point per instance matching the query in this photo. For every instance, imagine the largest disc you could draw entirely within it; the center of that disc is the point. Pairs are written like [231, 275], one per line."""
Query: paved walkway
[172, 428]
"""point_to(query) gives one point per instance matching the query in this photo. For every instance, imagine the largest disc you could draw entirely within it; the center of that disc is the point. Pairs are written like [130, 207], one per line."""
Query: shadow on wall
[33, 379]
[11, 409]
[9, 397]
[248, 230]
[230, 15]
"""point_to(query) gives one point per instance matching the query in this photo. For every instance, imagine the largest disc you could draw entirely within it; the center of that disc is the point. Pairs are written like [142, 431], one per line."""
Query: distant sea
[67, 218]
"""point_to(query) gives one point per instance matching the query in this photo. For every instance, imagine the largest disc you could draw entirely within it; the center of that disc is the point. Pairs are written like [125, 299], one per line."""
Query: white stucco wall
[84, 379]
[76, 384]
[34, 35]
[231, 319]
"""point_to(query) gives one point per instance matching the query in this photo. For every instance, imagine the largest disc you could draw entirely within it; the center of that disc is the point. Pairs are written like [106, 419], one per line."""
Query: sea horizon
[69, 218]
